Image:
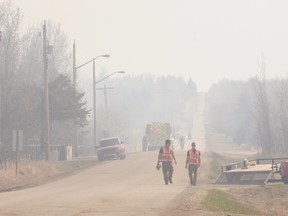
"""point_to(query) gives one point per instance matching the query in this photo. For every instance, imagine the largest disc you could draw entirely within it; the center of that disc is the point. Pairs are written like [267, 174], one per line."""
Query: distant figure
[182, 142]
[193, 162]
[166, 156]
[189, 135]
[144, 143]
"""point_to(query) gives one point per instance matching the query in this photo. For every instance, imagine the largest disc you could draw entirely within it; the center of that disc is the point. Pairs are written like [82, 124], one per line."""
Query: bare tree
[262, 113]
[10, 22]
[281, 115]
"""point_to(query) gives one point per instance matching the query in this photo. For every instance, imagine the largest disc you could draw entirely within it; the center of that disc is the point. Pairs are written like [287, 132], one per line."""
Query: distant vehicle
[111, 147]
[284, 171]
[156, 134]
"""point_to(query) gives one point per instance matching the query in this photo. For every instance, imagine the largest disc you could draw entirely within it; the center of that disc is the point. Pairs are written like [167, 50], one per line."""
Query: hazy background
[205, 40]
[235, 51]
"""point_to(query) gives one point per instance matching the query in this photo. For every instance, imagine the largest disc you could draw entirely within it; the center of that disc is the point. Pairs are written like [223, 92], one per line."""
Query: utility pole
[105, 97]
[47, 120]
[94, 93]
[74, 86]
[1, 86]
[74, 65]
[94, 104]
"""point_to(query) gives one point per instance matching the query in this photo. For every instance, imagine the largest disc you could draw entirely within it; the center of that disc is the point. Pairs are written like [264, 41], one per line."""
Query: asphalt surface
[117, 187]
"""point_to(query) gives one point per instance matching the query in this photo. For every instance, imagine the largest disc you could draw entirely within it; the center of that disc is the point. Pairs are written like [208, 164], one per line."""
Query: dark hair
[167, 141]
[193, 144]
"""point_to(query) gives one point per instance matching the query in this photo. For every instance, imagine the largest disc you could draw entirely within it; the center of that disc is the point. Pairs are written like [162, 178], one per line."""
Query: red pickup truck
[111, 147]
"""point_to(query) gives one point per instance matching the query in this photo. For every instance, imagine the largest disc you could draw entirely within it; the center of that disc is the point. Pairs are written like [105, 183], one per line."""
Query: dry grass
[37, 172]
[28, 173]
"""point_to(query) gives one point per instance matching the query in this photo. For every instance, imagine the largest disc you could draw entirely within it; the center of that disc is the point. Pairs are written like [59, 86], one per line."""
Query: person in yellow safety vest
[166, 156]
[193, 162]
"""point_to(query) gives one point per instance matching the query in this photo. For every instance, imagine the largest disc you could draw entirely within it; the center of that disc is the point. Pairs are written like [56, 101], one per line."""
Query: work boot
[166, 183]
[171, 181]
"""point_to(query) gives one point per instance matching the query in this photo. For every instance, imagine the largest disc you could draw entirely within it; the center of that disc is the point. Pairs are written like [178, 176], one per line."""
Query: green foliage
[65, 102]
[220, 201]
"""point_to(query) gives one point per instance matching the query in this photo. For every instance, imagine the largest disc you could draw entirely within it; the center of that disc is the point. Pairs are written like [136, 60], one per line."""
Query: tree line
[252, 112]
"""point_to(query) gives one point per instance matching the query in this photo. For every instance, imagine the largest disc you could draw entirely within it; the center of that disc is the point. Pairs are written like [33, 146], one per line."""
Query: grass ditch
[216, 163]
[221, 201]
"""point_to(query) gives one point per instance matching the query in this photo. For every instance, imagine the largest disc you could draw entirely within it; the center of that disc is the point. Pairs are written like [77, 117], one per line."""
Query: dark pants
[192, 171]
[167, 169]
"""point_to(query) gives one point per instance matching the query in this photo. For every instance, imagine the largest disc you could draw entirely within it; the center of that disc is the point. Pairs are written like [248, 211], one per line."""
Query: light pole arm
[85, 63]
[106, 55]
[122, 72]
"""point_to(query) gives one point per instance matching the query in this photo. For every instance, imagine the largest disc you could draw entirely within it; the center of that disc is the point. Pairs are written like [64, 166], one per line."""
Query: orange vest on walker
[166, 154]
[194, 157]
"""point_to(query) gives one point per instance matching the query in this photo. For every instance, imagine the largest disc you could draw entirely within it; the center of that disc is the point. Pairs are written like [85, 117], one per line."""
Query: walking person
[193, 162]
[182, 141]
[166, 157]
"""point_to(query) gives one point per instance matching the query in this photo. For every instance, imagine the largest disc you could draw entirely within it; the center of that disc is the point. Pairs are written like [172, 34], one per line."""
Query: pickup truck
[111, 147]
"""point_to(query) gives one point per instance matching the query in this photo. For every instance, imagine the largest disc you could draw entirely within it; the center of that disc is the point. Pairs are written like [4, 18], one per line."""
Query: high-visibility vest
[194, 157]
[166, 154]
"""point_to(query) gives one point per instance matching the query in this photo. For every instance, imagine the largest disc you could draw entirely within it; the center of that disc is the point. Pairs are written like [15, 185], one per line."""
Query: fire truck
[155, 135]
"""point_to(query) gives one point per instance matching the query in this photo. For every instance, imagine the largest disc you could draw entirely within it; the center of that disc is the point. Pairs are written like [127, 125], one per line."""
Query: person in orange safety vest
[166, 156]
[193, 162]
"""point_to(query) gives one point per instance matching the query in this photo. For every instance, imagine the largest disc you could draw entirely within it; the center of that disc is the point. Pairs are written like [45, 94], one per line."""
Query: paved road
[119, 187]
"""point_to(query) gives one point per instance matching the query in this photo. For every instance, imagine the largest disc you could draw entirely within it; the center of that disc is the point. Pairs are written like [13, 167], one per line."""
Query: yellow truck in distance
[155, 135]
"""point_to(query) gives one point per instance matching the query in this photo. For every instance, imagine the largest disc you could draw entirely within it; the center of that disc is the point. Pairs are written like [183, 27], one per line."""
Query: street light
[121, 72]
[93, 59]
[94, 93]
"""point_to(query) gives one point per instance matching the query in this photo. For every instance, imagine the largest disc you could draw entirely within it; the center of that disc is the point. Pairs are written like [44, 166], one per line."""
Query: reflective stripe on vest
[194, 157]
[166, 154]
